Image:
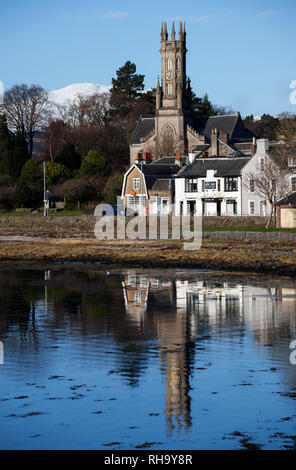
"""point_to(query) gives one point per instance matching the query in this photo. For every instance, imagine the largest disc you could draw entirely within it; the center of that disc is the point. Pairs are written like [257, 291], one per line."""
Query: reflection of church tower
[175, 340]
[172, 106]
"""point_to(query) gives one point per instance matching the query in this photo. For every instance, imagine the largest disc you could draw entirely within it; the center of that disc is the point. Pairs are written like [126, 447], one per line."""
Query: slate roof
[202, 147]
[289, 200]
[228, 124]
[155, 171]
[158, 169]
[223, 166]
[224, 124]
[144, 127]
[168, 160]
[162, 185]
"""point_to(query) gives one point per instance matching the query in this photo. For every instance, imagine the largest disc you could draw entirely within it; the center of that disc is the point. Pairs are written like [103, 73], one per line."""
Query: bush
[114, 186]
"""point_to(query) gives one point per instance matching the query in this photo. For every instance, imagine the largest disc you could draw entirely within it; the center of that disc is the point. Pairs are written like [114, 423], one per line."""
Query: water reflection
[127, 323]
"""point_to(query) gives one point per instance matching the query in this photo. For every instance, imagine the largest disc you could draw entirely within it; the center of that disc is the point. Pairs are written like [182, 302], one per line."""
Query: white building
[221, 186]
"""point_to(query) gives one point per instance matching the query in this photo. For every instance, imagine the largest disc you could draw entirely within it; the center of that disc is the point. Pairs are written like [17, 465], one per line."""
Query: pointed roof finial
[173, 31]
[165, 33]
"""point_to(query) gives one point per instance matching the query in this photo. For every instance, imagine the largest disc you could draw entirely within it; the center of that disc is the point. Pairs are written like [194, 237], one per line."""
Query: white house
[220, 186]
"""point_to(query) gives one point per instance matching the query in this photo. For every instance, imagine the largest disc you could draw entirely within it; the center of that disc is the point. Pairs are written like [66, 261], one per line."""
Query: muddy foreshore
[244, 256]
[38, 240]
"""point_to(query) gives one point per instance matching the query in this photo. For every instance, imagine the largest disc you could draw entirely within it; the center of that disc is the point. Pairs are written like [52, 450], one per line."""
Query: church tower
[172, 97]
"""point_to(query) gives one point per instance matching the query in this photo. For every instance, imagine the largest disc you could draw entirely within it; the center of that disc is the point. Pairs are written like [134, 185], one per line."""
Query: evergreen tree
[29, 190]
[69, 157]
[128, 81]
[205, 107]
[95, 163]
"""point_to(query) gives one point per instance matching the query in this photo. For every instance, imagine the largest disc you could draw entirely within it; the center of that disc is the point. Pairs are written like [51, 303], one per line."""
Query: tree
[266, 127]
[26, 109]
[287, 128]
[75, 191]
[270, 182]
[114, 187]
[95, 163]
[7, 192]
[54, 172]
[69, 157]
[29, 190]
[128, 82]
[13, 151]
[205, 107]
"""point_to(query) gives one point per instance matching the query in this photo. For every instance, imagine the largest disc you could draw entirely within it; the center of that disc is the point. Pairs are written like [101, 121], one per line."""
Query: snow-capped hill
[70, 92]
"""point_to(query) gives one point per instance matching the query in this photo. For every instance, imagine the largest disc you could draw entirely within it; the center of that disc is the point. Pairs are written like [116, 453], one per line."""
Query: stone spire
[173, 31]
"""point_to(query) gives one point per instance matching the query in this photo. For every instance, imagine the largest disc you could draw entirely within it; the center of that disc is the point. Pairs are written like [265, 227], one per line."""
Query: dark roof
[162, 185]
[144, 127]
[202, 147]
[244, 147]
[224, 124]
[158, 169]
[289, 200]
[231, 124]
[153, 172]
[169, 160]
[223, 166]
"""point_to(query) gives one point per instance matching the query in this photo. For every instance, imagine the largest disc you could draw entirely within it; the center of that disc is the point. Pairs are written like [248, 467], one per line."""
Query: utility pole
[45, 195]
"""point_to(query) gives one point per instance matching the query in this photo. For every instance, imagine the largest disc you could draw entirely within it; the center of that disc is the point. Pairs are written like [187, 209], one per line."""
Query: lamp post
[45, 194]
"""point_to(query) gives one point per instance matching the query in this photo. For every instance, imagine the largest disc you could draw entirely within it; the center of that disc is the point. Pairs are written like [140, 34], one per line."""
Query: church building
[176, 129]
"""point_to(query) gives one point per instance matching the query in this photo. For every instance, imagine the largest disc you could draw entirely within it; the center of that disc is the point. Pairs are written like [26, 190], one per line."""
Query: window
[251, 207]
[231, 184]
[178, 63]
[190, 185]
[136, 183]
[293, 184]
[202, 186]
[292, 161]
[252, 186]
[261, 162]
[169, 65]
[170, 88]
[219, 185]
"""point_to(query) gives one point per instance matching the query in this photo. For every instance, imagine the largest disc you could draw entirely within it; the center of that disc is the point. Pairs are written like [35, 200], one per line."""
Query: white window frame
[250, 212]
[136, 183]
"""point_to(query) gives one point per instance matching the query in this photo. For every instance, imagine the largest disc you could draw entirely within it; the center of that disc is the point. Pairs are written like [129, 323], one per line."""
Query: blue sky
[242, 53]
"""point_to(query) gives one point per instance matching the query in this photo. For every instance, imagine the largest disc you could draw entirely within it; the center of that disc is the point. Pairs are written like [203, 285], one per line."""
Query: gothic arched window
[169, 65]
[168, 139]
[178, 63]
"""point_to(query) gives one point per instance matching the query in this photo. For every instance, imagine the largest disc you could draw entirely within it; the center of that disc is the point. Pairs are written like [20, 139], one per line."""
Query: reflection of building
[178, 309]
[155, 297]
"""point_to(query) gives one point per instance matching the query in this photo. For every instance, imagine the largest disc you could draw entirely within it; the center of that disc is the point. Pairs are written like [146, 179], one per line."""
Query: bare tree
[26, 109]
[269, 181]
[85, 110]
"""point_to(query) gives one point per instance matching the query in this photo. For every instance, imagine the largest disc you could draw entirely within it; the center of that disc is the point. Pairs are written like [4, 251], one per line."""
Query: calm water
[132, 359]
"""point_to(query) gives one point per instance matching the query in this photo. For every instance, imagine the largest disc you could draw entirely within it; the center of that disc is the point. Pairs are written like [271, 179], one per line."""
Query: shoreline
[273, 258]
